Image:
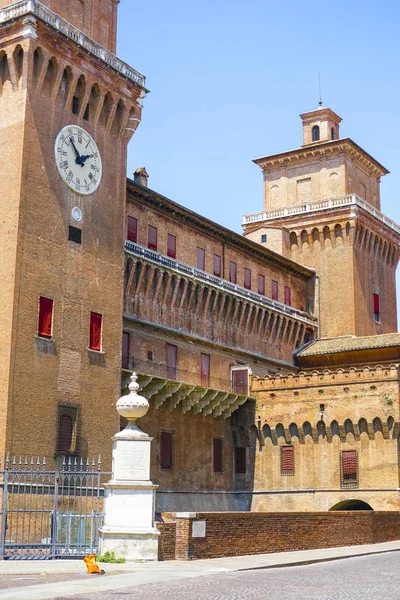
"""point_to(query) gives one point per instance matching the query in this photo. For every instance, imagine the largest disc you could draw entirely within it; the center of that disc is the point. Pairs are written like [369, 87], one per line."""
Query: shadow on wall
[351, 505]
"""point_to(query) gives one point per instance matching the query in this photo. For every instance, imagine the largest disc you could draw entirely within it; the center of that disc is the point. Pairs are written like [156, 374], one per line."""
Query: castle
[269, 359]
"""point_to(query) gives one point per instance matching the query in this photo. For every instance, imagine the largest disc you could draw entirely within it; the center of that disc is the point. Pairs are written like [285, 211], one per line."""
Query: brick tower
[68, 108]
[322, 209]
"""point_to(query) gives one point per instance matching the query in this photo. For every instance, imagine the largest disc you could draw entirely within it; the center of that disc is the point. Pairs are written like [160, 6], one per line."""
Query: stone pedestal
[129, 505]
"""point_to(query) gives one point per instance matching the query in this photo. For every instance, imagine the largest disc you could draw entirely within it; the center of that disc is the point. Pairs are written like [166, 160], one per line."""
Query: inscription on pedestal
[132, 461]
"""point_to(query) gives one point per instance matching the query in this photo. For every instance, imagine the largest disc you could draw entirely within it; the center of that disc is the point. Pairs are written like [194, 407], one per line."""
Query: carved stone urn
[132, 407]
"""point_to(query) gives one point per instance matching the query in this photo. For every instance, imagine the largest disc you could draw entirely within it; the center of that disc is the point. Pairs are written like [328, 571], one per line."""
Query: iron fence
[50, 513]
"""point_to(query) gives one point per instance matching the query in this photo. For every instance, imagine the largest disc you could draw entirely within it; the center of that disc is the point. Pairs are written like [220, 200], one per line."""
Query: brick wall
[166, 544]
[238, 534]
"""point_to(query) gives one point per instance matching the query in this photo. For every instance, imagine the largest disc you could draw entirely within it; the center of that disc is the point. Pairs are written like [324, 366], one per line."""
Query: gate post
[128, 528]
[4, 511]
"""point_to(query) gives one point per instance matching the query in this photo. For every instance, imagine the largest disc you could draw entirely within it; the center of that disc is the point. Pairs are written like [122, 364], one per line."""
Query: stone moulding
[33, 7]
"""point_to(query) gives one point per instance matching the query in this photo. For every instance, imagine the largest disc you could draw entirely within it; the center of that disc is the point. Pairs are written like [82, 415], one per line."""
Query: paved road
[361, 578]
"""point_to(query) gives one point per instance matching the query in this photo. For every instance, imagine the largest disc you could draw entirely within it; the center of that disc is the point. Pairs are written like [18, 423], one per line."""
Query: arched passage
[352, 505]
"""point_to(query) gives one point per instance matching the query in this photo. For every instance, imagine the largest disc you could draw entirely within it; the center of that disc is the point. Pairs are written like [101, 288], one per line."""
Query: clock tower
[68, 109]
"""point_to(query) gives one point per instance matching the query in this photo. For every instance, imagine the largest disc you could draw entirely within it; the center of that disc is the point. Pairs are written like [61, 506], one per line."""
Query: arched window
[315, 133]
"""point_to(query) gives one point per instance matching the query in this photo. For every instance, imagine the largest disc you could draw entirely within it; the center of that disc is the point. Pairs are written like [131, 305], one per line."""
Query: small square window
[264, 238]
[75, 235]
[150, 355]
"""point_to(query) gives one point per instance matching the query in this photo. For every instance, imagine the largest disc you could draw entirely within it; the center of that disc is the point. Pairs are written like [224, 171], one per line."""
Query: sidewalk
[132, 574]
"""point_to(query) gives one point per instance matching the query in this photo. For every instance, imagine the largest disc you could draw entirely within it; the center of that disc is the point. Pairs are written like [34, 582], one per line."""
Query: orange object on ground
[92, 567]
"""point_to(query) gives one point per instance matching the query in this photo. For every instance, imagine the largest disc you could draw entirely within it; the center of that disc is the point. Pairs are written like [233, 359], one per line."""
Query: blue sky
[229, 79]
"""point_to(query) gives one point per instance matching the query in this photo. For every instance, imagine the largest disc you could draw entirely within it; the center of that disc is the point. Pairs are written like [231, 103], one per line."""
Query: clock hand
[78, 159]
[84, 158]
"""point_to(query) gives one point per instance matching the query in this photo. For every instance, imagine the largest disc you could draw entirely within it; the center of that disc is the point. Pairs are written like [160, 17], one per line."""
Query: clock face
[78, 160]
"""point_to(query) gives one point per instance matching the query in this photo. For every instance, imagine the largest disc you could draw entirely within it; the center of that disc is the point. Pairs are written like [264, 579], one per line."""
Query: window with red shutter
[201, 259]
[287, 295]
[218, 455]
[247, 279]
[274, 290]
[172, 356]
[96, 321]
[217, 265]
[45, 321]
[349, 468]
[205, 369]
[152, 237]
[125, 349]
[240, 381]
[240, 460]
[287, 460]
[132, 229]
[232, 272]
[171, 248]
[261, 285]
[377, 309]
[166, 449]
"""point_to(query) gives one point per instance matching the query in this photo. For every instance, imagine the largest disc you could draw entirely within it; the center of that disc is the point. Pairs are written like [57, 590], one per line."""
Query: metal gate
[49, 514]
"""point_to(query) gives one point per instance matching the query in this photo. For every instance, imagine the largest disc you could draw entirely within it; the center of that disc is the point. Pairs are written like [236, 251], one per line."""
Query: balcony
[186, 391]
[319, 205]
[20, 9]
[217, 282]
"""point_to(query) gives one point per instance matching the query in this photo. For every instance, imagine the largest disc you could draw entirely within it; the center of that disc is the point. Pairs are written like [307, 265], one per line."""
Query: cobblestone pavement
[361, 578]
[13, 581]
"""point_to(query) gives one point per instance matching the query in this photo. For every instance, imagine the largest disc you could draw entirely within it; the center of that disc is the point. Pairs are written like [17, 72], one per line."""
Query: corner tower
[68, 109]
[322, 209]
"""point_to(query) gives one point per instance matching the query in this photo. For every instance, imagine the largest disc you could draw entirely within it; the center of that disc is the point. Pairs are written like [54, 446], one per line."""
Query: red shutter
[45, 317]
[232, 272]
[201, 259]
[217, 265]
[132, 229]
[65, 430]
[376, 304]
[218, 446]
[152, 237]
[205, 369]
[95, 331]
[261, 285]
[240, 381]
[240, 460]
[166, 449]
[247, 279]
[274, 290]
[349, 465]
[287, 460]
[171, 249]
[172, 352]
[287, 295]
[125, 349]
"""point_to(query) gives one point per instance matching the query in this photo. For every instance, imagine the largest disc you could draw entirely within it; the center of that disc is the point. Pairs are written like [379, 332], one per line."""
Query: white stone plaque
[198, 529]
[132, 460]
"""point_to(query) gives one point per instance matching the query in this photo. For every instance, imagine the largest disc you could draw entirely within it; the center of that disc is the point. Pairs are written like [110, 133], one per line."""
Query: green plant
[389, 399]
[372, 387]
[109, 557]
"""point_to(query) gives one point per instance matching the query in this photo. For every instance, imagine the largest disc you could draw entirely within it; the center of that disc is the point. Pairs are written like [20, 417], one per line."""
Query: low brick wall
[236, 534]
